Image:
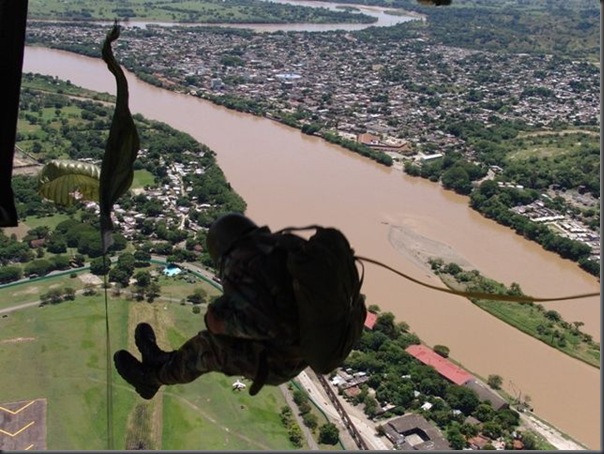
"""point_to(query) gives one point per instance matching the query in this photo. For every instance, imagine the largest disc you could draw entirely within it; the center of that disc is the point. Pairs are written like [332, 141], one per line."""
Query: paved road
[550, 434]
[365, 427]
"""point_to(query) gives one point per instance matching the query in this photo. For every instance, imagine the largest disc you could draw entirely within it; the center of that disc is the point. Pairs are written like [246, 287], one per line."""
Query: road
[365, 427]
[550, 434]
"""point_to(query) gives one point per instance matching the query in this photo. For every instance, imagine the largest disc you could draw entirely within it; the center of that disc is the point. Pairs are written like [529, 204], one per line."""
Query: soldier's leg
[195, 357]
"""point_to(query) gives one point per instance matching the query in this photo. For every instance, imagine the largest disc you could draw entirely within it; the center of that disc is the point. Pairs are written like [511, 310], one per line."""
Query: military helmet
[224, 231]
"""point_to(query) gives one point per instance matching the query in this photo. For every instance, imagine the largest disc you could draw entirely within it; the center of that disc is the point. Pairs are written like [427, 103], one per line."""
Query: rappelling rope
[479, 295]
[109, 362]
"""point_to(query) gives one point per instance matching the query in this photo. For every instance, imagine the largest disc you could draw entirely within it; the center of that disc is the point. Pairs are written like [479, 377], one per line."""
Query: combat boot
[146, 342]
[144, 377]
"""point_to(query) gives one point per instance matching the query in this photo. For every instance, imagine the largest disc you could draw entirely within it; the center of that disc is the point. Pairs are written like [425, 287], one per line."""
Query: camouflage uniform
[257, 315]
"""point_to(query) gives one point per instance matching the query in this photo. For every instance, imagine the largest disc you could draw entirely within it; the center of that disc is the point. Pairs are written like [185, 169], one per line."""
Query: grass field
[32, 222]
[19, 294]
[551, 143]
[201, 11]
[58, 352]
[142, 178]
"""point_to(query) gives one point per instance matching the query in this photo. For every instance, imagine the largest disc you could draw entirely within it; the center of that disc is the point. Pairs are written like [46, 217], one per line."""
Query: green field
[57, 352]
[142, 178]
[200, 11]
[31, 222]
[552, 144]
[13, 295]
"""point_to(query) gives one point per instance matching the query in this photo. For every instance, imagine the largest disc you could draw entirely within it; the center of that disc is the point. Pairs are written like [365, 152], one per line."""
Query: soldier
[255, 329]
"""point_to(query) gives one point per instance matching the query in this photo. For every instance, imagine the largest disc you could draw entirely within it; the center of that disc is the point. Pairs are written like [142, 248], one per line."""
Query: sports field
[55, 395]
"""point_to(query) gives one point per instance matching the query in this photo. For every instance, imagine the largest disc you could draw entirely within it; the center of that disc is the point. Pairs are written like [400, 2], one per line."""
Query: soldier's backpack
[327, 288]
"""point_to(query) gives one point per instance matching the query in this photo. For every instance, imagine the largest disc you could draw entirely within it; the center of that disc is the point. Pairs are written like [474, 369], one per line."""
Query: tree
[295, 435]
[552, 315]
[529, 440]
[495, 381]
[89, 289]
[432, 386]
[578, 325]
[119, 242]
[89, 243]
[98, 267]
[44, 299]
[469, 430]
[38, 232]
[126, 261]
[143, 279]
[40, 267]
[373, 308]
[299, 397]
[507, 418]
[453, 269]
[441, 350]
[153, 291]
[484, 412]
[457, 178]
[304, 407]
[329, 434]
[198, 297]
[10, 273]
[60, 262]
[385, 324]
[371, 406]
[455, 437]
[462, 398]
[56, 244]
[142, 258]
[55, 296]
[310, 420]
[492, 429]
[119, 275]
[286, 415]
[69, 294]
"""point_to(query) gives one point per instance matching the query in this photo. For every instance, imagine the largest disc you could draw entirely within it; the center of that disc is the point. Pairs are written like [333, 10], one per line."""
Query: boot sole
[130, 369]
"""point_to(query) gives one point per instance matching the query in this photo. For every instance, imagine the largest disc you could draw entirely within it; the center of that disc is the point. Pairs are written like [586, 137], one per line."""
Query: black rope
[108, 360]
[479, 295]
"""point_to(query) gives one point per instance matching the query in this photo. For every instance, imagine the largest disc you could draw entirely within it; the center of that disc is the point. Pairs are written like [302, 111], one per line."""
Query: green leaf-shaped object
[122, 146]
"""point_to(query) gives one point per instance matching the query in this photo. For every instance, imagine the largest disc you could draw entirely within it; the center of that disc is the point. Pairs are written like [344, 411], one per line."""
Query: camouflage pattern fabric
[260, 337]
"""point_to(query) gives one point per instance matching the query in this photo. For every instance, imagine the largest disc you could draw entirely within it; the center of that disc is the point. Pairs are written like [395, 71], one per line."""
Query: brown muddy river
[290, 179]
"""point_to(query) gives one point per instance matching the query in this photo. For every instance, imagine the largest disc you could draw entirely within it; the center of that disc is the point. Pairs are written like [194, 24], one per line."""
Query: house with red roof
[443, 366]
[370, 320]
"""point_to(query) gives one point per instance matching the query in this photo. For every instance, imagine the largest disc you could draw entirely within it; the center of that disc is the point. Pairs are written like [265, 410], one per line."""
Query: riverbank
[419, 249]
[531, 319]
